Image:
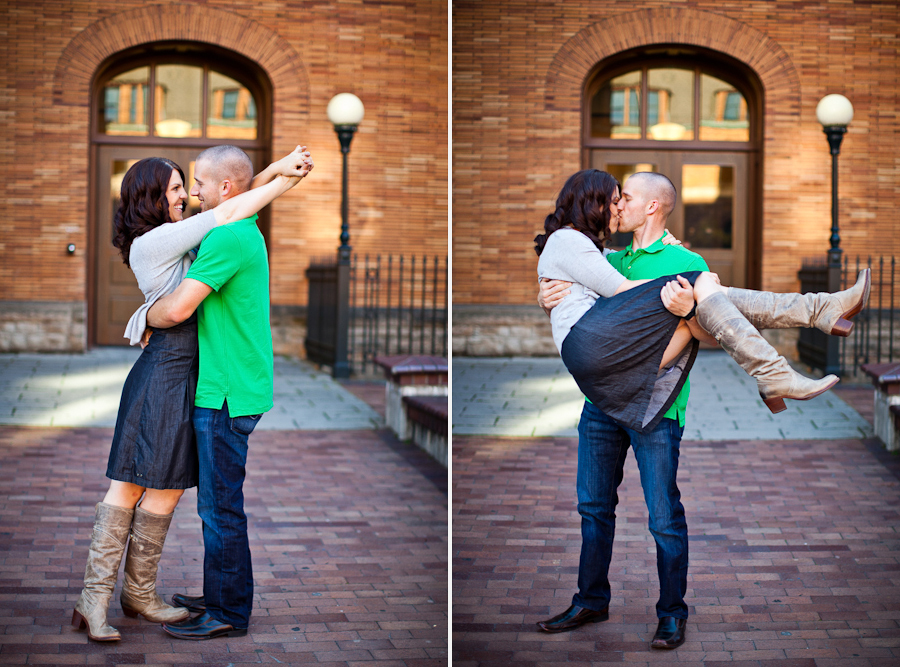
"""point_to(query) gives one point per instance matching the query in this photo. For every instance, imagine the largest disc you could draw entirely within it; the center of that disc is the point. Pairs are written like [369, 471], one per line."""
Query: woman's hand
[668, 239]
[678, 296]
[551, 293]
[296, 163]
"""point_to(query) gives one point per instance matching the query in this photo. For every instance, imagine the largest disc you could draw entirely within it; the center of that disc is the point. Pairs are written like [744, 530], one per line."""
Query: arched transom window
[693, 115]
[667, 103]
[177, 100]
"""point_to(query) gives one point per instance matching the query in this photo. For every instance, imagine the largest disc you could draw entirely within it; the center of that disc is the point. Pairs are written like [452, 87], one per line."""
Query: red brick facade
[392, 55]
[519, 69]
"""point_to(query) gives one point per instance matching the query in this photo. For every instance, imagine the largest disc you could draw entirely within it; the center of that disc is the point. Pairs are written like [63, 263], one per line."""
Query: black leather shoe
[669, 633]
[573, 617]
[203, 626]
[195, 605]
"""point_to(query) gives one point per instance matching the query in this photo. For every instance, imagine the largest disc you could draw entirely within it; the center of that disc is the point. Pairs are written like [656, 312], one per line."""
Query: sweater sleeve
[156, 250]
[577, 257]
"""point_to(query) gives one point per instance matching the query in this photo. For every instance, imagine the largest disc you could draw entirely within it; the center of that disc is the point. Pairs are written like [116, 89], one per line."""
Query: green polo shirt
[233, 328]
[653, 262]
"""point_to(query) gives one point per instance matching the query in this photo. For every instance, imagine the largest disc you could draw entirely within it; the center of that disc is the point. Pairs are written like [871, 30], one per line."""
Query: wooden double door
[116, 295]
[711, 215]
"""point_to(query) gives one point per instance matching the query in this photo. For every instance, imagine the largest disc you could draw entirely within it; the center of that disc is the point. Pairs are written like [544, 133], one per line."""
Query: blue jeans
[602, 448]
[227, 571]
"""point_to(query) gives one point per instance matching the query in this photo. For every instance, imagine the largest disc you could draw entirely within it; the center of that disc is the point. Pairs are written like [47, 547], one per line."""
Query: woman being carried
[628, 354]
[154, 452]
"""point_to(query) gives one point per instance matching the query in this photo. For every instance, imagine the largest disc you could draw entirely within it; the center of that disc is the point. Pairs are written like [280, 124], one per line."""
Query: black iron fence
[397, 305]
[876, 335]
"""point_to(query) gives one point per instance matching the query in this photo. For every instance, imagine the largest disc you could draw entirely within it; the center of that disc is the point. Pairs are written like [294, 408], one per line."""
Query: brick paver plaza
[795, 556]
[348, 531]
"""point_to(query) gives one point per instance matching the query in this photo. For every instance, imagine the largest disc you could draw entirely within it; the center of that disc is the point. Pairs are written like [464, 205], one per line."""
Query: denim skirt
[615, 349]
[154, 444]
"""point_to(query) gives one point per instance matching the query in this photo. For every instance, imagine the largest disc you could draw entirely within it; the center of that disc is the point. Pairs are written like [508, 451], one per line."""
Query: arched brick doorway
[169, 99]
[694, 115]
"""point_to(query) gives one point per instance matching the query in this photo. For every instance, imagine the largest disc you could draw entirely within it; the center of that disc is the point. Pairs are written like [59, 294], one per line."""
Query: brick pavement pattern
[795, 556]
[348, 536]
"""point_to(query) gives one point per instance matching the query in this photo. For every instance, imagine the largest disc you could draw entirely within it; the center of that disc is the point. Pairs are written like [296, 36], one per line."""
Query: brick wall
[391, 54]
[518, 72]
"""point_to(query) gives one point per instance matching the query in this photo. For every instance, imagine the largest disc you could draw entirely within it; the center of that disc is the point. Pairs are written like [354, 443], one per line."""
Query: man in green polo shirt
[646, 202]
[228, 286]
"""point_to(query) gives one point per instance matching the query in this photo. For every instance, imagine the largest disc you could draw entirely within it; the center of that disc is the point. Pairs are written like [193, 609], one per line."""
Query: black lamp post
[345, 111]
[834, 112]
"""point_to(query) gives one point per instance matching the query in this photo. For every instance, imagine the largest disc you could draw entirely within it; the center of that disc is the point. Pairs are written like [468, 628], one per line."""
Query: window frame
[671, 57]
[206, 56]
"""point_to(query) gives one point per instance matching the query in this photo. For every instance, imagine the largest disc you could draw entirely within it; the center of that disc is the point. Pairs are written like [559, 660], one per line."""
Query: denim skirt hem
[615, 349]
[154, 445]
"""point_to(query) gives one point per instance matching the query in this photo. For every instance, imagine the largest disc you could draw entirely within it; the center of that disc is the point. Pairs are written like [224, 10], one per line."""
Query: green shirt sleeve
[218, 260]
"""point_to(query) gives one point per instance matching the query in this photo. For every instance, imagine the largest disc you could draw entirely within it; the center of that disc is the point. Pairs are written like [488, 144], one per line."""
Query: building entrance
[163, 100]
[116, 292]
[711, 212]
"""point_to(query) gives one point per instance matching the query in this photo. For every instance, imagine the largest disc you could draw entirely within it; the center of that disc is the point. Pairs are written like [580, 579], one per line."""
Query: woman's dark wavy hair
[143, 204]
[583, 203]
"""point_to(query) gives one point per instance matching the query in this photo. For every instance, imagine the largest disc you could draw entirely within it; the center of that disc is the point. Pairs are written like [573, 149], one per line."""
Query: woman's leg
[830, 313]
[161, 501]
[705, 286]
[123, 494]
[111, 526]
[775, 379]
[148, 536]
[680, 340]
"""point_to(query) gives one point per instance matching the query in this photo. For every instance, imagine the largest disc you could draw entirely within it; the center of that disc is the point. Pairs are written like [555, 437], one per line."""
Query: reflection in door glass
[117, 173]
[232, 109]
[723, 111]
[707, 191]
[125, 102]
[621, 172]
[616, 108]
[179, 90]
[670, 104]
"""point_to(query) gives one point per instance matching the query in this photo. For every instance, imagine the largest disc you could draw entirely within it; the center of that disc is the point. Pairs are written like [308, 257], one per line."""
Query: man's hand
[678, 296]
[551, 293]
[145, 338]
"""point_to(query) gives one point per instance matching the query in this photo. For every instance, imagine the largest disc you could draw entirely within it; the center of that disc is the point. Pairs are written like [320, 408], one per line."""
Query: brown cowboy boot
[111, 526]
[139, 596]
[775, 379]
[829, 312]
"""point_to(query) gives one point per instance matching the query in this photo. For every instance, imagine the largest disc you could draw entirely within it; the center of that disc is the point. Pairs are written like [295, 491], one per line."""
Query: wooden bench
[886, 379]
[426, 418]
[413, 375]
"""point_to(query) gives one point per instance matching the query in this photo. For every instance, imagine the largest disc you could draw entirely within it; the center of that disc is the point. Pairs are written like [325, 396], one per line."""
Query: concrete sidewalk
[84, 390]
[538, 397]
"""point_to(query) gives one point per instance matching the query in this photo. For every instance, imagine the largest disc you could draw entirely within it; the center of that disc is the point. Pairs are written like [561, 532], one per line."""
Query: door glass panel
[707, 191]
[193, 203]
[125, 101]
[119, 167]
[616, 108]
[621, 172]
[232, 109]
[179, 92]
[723, 111]
[670, 104]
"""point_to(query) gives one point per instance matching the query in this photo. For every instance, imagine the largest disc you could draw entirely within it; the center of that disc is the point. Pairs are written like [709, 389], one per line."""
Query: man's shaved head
[228, 162]
[656, 186]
